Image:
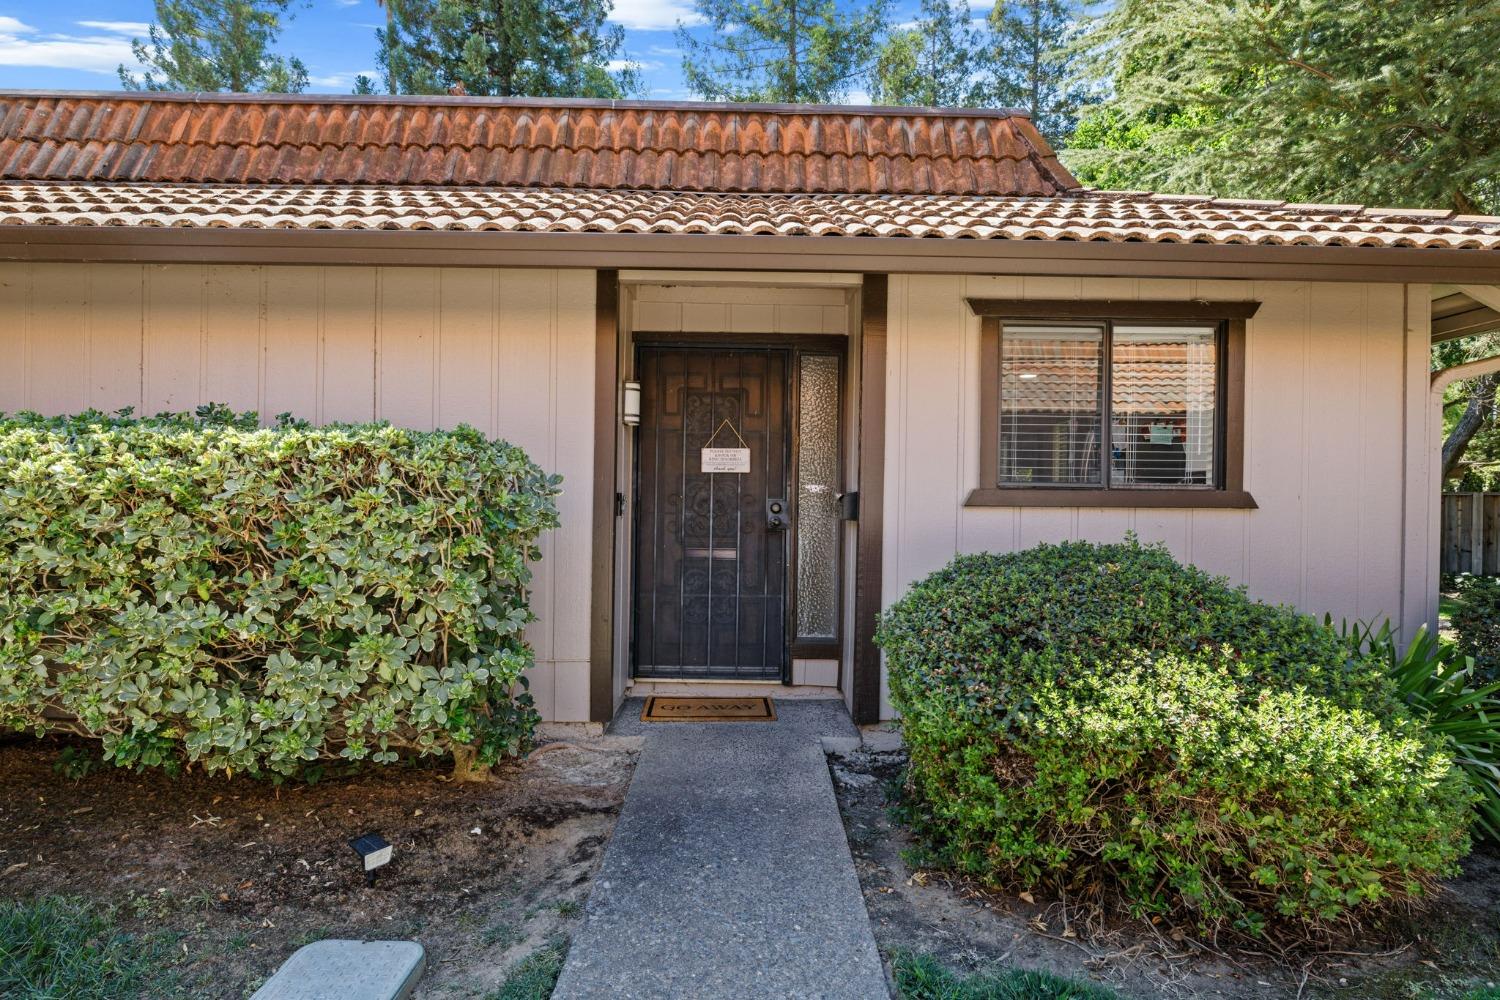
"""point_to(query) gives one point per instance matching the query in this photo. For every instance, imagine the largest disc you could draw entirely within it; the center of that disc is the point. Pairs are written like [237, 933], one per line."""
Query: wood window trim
[1116, 309]
[1230, 494]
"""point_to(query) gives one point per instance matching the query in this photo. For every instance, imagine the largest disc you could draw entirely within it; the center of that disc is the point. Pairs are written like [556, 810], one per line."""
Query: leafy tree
[506, 48]
[363, 85]
[214, 45]
[1468, 406]
[1338, 101]
[787, 51]
[1033, 64]
[931, 63]
[1320, 100]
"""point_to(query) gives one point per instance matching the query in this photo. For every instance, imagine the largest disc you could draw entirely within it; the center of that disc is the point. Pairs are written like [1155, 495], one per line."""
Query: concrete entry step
[347, 970]
[729, 873]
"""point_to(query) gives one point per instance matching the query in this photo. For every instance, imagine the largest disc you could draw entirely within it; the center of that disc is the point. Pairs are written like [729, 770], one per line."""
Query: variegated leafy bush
[196, 589]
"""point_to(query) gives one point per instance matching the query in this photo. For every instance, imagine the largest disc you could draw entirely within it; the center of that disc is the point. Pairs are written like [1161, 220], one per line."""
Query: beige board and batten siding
[1334, 445]
[510, 352]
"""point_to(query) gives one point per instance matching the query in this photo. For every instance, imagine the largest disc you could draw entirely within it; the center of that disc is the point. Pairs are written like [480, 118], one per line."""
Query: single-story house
[789, 359]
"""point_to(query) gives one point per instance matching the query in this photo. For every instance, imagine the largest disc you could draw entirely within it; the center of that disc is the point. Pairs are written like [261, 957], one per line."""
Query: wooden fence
[1471, 533]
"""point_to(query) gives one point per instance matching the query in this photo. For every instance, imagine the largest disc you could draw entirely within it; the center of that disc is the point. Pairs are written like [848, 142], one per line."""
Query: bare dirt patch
[241, 873]
[1443, 953]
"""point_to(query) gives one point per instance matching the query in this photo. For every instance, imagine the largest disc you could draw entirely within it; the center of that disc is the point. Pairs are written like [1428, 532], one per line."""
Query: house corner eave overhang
[448, 248]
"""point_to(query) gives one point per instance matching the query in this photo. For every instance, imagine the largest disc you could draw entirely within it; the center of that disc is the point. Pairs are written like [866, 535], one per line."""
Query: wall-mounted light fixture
[631, 405]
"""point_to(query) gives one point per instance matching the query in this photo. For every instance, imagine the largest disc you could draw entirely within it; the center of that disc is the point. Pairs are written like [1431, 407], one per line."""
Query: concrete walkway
[728, 874]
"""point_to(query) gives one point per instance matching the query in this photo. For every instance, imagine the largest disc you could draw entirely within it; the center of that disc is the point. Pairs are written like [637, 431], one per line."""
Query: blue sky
[76, 44]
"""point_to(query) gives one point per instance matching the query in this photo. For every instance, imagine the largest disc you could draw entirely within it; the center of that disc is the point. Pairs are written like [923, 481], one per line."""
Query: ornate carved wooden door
[711, 546]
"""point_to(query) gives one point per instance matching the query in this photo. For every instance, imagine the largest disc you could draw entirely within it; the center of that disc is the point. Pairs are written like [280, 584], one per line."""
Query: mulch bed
[1443, 953]
[241, 872]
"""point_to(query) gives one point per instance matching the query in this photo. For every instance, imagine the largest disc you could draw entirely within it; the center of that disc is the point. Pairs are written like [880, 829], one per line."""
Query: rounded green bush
[1103, 721]
[199, 589]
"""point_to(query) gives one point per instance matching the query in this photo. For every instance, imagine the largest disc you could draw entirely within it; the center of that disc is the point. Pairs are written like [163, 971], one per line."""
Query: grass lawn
[534, 976]
[1447, 605]
[60, 946]
[920, 977]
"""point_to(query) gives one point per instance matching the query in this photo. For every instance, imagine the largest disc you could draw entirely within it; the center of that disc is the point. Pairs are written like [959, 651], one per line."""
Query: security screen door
[712, 534]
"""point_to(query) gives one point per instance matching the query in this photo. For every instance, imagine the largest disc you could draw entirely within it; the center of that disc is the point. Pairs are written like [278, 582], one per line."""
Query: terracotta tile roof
[466, 142]
[1079, 215]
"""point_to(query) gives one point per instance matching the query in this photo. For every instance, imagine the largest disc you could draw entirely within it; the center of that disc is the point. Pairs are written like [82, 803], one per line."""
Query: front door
[711, 535]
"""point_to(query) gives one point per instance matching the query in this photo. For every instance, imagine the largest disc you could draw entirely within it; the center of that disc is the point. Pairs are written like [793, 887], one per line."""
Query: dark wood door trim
[828, 342]
[867, 574]
[602, 564]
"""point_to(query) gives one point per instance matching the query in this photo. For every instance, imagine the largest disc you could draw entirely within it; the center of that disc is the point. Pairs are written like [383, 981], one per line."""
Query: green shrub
[1476, 620]
[197, 589]
[1440, 686]
[1102, 720]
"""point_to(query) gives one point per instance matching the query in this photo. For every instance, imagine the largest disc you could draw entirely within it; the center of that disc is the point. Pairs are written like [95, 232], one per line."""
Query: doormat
[661, 709]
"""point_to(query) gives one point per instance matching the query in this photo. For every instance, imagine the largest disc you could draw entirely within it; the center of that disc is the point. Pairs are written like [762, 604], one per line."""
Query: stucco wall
[1331, 373]
[507, 351]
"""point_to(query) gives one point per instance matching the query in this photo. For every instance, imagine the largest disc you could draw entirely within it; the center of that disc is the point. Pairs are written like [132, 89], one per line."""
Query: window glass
[1163, 394]
[1050, 404]
[818, 516]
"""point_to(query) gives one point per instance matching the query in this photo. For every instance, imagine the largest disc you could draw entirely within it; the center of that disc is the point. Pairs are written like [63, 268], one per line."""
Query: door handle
[776, 516]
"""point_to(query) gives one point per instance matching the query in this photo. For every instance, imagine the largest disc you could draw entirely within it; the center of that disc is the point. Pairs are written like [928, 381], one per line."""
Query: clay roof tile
[524, 205]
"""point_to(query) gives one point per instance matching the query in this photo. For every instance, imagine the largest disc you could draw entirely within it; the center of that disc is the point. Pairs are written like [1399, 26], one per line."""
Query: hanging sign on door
[726, 460]
[731, 460]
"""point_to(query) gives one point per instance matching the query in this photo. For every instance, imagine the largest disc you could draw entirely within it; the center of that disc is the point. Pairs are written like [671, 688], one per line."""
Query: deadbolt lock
[776, 519]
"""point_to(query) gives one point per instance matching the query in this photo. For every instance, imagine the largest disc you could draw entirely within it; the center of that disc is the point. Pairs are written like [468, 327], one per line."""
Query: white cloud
[654, 15]
[347, 3]
[23, 45]
[639, 65]
[341, 81]
[132, 28]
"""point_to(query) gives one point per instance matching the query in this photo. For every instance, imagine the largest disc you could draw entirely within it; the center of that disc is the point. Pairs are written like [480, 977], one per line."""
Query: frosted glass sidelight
[817, 497]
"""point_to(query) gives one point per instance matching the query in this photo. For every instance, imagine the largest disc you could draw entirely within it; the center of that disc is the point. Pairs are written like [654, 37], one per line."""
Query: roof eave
[735, 252]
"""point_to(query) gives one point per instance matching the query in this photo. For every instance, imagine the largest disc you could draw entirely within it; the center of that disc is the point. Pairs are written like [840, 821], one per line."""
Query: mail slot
[692, 553]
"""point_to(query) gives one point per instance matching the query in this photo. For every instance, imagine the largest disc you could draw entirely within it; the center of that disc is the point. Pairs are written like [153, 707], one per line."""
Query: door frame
[794, 345]
[865, 387]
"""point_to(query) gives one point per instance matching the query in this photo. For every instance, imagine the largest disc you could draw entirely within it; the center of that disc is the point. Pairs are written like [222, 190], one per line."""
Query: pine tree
[931, 63]
[784, 51]
[363, 85]
[506, 48]
[214, 45]
[1033, 66]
